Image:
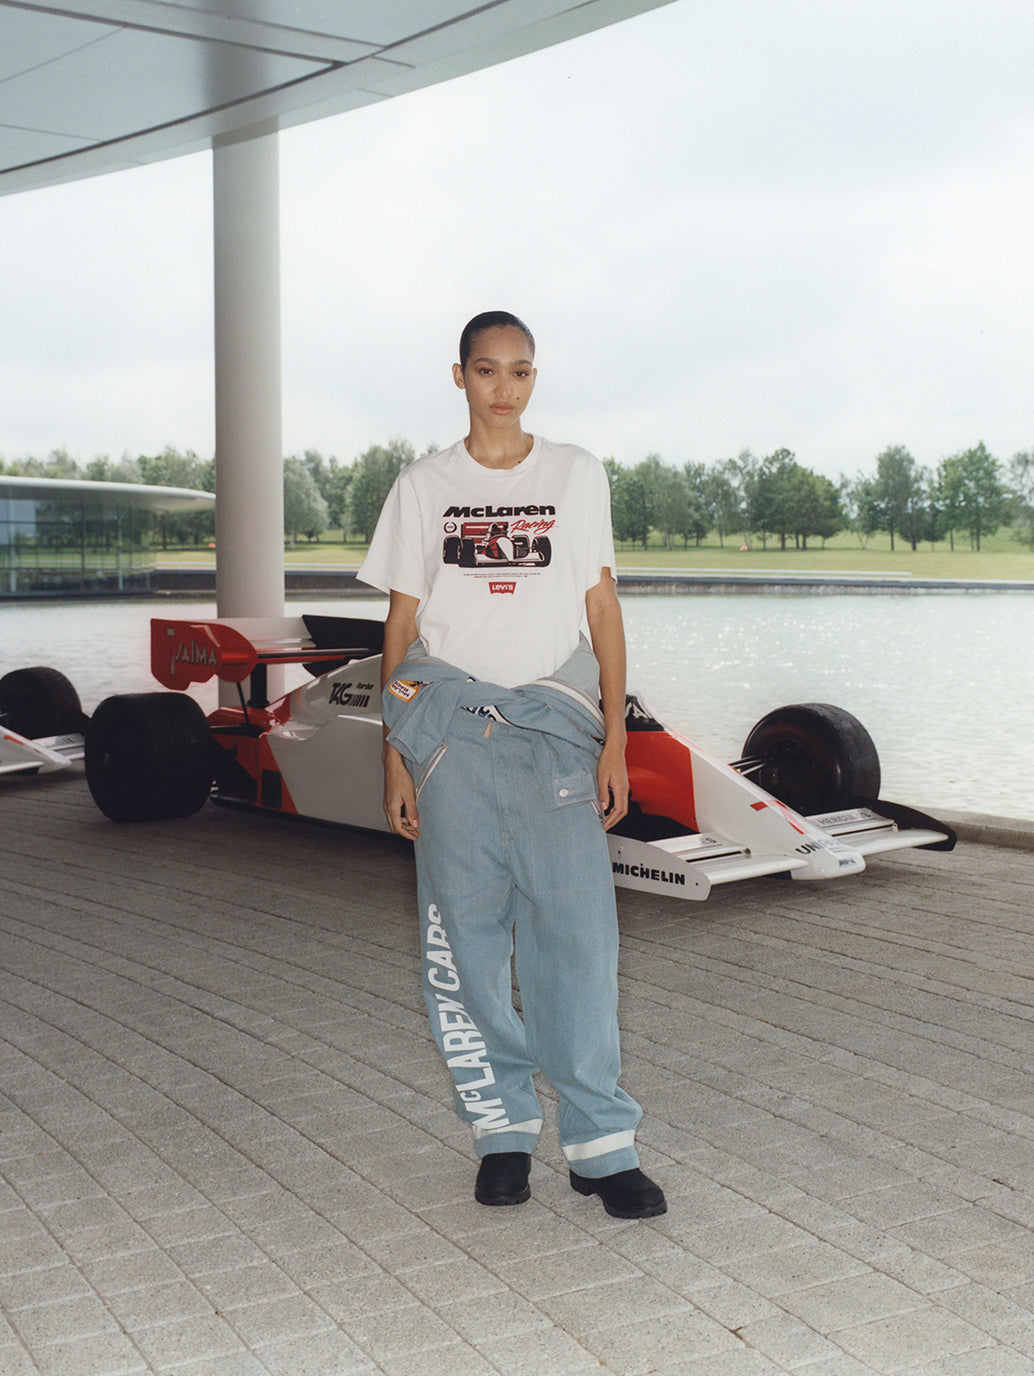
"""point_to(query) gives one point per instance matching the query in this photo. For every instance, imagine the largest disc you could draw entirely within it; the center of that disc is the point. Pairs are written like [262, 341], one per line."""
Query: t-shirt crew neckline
[501, 474]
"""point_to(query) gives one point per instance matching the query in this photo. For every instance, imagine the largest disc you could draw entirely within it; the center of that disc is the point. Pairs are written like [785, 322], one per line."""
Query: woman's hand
[399, 796]
[612, 778]
[603, 613]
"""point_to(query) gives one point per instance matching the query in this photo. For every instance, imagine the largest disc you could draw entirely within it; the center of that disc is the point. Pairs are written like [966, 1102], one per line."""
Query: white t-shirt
[500, 559]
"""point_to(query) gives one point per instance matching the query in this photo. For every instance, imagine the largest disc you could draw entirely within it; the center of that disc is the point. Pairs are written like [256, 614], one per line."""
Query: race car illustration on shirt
[495, 544]
[804, 799]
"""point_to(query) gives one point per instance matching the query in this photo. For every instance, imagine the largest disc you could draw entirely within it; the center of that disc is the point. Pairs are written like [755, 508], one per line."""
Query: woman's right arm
[399, 793]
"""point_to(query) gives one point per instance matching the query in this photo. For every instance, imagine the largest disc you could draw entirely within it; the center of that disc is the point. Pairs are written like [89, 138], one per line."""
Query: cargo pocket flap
[574, 788]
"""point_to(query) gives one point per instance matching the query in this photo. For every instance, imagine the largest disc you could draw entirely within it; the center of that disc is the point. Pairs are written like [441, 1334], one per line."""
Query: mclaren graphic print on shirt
[494, 537]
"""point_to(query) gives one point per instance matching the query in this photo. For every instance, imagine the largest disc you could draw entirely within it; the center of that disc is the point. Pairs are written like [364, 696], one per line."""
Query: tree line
[320, 493]
[966, 496]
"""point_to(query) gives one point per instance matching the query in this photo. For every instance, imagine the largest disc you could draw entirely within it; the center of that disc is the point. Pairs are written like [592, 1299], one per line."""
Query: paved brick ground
[225, 1148]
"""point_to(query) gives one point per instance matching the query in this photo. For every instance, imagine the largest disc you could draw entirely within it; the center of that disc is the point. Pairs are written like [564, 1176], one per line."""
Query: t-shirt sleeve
[395, 559]
[601, 554]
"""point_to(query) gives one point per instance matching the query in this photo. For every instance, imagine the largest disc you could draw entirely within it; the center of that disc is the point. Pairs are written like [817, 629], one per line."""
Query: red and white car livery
[803, 800]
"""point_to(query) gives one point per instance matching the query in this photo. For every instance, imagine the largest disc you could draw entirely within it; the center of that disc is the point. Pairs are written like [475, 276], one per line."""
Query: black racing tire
[542, 546]
[149, 756]
[467, 554]
[814, 757]
[451, 549]
[40, 702]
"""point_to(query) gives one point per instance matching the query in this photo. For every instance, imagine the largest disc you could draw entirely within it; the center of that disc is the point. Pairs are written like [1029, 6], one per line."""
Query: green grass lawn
[1002, 556]
[1009, 561]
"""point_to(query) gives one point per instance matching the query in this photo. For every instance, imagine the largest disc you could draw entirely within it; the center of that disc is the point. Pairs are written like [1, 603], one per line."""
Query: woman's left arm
[603, 613]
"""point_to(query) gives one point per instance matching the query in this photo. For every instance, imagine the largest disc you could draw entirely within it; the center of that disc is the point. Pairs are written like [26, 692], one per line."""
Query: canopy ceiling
[99, 85]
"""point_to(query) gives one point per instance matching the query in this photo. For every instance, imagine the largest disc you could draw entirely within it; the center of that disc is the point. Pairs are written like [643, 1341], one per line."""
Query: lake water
[942, 682]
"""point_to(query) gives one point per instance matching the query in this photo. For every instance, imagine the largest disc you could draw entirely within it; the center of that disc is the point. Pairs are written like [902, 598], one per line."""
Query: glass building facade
[64, 538]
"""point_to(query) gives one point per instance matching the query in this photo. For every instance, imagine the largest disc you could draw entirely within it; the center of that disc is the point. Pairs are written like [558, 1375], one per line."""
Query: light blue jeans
[512, 860]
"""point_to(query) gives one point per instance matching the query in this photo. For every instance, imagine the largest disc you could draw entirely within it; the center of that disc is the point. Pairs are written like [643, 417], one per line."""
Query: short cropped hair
[491, 320]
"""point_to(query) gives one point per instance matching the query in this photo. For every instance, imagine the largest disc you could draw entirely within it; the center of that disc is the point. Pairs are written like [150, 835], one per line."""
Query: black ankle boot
[503, 1178]
[625, 1194]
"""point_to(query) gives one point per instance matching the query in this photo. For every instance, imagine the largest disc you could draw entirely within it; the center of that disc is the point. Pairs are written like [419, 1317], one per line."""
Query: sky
[746, 225]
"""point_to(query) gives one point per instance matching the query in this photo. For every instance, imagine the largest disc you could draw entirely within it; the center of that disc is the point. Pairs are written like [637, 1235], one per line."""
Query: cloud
[730, 226]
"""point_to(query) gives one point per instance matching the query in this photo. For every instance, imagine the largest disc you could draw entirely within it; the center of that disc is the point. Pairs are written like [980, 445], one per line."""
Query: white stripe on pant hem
[532, 1127]
[599, 1146]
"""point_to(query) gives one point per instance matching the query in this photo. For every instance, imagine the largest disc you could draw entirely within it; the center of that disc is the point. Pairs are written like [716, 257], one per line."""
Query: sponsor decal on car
[196, 652]
[658, 876]
[341, 695]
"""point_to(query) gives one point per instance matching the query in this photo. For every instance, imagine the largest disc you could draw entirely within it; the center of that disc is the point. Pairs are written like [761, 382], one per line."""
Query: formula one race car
[41, 722]
[801, 801]
[495, 544]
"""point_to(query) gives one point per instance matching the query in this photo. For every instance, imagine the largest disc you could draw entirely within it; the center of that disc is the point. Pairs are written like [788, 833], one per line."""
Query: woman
[500, 765]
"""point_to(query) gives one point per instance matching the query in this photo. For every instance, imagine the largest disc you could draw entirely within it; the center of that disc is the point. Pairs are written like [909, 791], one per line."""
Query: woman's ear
[457, 376]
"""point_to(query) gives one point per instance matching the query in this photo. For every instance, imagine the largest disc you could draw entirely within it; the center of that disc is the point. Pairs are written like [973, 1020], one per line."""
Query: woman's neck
[498, 450]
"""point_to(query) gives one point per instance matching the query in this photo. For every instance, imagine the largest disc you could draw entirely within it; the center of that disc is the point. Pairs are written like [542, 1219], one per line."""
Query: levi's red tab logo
[496, 586]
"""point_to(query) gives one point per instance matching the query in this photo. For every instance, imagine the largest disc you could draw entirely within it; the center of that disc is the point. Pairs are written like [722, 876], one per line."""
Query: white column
[249, 457]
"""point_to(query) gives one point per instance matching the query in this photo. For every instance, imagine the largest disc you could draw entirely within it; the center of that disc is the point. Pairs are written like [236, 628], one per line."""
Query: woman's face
[499, 377]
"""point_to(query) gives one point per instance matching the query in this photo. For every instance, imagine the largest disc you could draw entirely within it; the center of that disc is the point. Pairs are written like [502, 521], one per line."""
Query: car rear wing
[232, 649]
